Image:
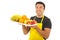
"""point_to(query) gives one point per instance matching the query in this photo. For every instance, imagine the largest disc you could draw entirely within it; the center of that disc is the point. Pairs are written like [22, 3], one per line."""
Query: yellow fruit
[16, 18]
[21, 20]
[25, 22]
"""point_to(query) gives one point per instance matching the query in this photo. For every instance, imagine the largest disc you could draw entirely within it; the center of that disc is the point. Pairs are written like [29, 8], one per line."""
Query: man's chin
[38, 15]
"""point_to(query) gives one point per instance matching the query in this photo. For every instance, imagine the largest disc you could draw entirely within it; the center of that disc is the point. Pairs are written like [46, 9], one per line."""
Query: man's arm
[45, 33]
[25, 29]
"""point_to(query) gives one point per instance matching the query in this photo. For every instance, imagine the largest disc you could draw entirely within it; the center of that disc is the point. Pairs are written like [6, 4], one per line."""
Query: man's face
[39, 9]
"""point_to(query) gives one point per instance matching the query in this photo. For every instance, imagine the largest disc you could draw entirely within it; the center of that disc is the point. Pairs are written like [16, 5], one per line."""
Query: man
[42, 30]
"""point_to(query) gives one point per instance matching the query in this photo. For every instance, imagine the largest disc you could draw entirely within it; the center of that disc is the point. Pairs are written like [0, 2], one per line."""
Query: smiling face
[39, 9]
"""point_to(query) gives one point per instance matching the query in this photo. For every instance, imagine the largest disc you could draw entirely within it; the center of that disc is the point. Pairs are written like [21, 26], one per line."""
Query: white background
[13, 31]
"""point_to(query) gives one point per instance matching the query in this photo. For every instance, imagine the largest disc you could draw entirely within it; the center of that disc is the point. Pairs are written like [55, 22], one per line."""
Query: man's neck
[40, 16]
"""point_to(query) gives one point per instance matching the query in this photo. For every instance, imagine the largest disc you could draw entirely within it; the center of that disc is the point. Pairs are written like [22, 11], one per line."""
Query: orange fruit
[24, 16]
[21, 20]
[27, 19]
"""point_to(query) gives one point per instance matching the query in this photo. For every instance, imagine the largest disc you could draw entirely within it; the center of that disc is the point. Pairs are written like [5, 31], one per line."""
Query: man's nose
[39, 9]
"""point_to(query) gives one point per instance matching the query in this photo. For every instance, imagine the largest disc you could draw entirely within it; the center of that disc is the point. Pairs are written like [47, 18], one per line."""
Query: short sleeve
[47, 23]
[31, 18]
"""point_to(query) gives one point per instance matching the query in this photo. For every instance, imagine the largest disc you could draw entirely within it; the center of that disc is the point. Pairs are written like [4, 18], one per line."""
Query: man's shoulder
[46, 18]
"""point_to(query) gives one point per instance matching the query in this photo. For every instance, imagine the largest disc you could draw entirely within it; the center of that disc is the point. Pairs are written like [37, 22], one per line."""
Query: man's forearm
[43, 33]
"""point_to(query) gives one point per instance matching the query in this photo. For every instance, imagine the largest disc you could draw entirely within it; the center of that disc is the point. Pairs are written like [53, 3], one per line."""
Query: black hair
[40, 3]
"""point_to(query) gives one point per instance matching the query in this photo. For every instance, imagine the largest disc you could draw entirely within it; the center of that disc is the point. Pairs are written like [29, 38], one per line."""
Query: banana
[16, 18]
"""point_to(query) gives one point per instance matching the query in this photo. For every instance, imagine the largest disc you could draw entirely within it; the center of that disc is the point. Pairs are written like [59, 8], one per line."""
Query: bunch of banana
[16, 18]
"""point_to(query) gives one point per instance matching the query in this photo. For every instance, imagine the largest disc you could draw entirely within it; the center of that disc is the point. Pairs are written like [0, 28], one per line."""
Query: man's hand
[35, 26]
[25, 29]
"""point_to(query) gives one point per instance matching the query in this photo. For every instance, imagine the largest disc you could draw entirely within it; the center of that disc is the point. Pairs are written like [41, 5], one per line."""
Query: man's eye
[36, 7]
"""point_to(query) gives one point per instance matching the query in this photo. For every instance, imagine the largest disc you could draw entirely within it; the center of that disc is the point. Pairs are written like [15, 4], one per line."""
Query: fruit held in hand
[31, 22]
[24, 16]
[16, 18]
[23, 19]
